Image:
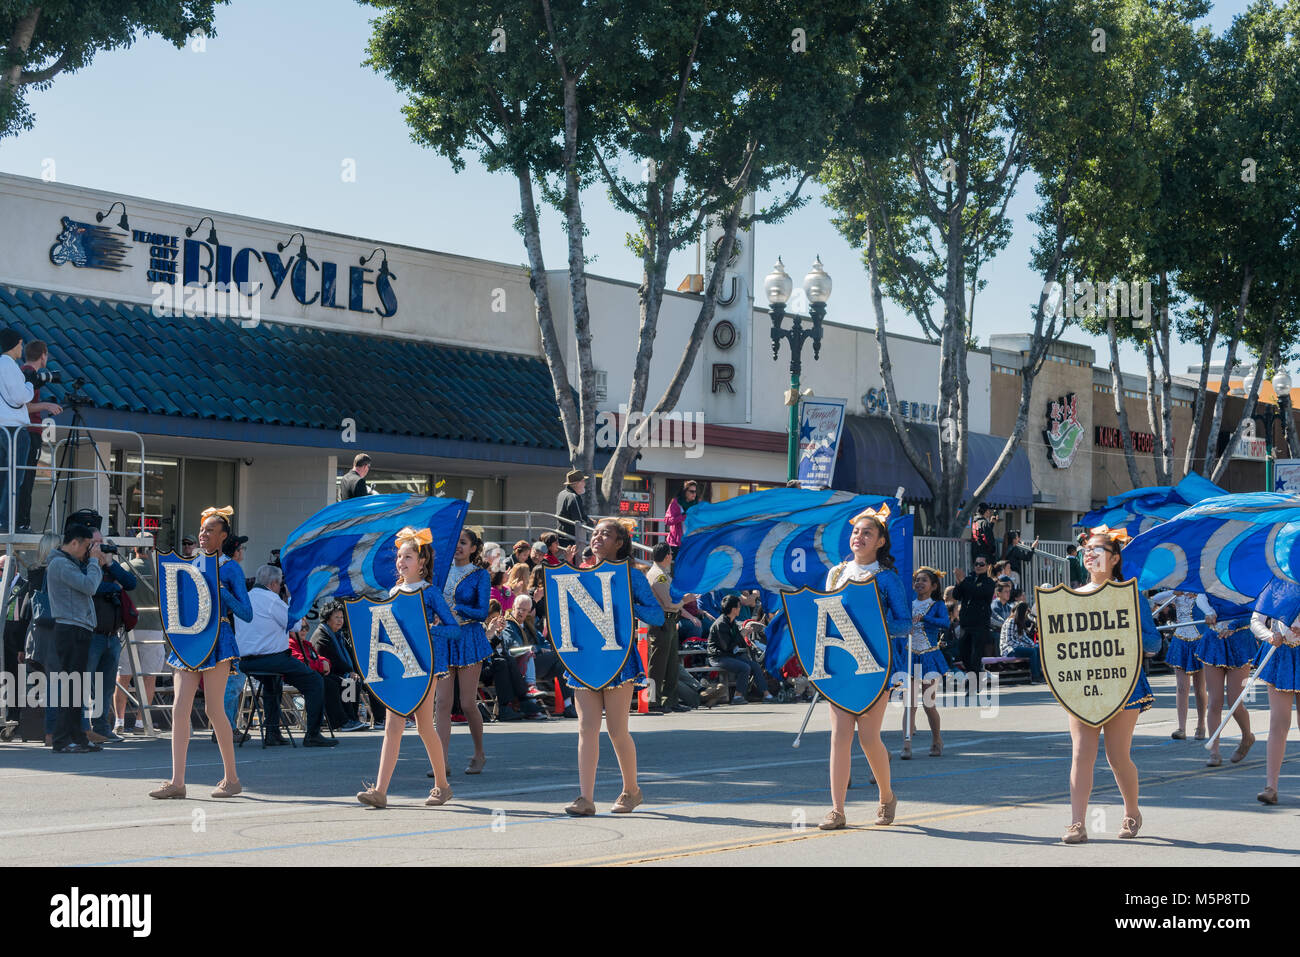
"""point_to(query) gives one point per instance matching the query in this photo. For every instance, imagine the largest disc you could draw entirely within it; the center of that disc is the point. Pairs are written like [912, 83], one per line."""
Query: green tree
[957, 100]
[696, 97]
[42, 40]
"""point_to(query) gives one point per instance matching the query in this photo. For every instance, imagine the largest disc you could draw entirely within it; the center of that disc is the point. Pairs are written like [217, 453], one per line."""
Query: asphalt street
[722, 787]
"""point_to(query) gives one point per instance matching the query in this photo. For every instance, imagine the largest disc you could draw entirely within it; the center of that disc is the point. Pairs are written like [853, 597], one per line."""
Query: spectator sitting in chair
[1018, 641]
[264, 650]
[728, 652]
[300, 647]
[542, 664]
[331, 641]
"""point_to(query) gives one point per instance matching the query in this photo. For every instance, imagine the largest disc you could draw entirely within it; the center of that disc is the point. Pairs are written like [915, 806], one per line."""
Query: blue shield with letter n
[189, 603]
[394, 650]
[591, 620]
[842, 642]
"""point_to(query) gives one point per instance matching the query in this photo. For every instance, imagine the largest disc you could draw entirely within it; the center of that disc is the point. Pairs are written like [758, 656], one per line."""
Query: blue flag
[1227, 548]
[346, 550]
[1144, 508]
[782, 539]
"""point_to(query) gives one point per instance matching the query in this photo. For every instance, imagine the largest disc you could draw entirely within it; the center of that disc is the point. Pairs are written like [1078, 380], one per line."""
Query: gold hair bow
[881, 514]
[414, 536]
[1116, 535]
[225, 513]
[933, 571]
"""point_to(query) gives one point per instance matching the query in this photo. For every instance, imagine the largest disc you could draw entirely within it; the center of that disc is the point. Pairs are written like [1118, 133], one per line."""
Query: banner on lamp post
[821, 422]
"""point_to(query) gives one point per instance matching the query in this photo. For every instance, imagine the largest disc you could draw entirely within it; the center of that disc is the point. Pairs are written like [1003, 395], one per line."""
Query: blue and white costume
[1188, 606]
[646, 607]
[1231, 648]
[1142, 697]
[925, 637]
[1276, 608]
[442, 627]
[468, 590]
[234, 599]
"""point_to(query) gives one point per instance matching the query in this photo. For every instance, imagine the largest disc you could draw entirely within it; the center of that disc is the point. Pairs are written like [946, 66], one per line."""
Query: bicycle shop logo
[1109, 300]
[652, 430]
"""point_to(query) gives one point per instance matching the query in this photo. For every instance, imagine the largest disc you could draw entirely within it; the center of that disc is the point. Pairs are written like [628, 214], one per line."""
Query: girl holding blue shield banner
[871, 560]
[214, 670]
[1277, 612]
[468, 592]
[612, 541]
[1101, 559]
[415, 573]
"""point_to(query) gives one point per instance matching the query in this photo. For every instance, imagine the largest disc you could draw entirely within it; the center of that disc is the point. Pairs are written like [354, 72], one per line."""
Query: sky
[263, 120]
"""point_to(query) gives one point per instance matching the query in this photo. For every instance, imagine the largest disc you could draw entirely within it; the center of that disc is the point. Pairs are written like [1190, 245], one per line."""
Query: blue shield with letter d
[842, 642]
[394, 650]
[591, 620]
[189, 603]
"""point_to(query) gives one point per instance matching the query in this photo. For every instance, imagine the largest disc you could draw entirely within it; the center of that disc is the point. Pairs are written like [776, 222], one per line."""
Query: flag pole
[1227, 715]
[816, 697]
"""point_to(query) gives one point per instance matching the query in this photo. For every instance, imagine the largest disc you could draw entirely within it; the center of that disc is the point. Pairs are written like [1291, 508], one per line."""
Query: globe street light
[1270, 416]
[817, 287]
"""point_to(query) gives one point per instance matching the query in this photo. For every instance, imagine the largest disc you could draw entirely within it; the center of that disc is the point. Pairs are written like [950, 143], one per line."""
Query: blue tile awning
[277, 380]
[871, 461]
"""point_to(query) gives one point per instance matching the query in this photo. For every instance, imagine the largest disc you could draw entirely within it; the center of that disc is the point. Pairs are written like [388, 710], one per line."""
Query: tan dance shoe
[627, 802]
[168, 790]
[1129, 827]
[885, 813]
[580, 807]
[833, 821]
[438, 797]
[226, 790]
[1075, 834]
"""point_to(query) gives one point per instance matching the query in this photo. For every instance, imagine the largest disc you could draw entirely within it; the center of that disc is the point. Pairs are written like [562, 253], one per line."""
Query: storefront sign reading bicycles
[173, 260]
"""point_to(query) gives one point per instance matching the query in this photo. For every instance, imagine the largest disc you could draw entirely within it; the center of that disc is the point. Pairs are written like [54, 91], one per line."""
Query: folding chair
[251, 707]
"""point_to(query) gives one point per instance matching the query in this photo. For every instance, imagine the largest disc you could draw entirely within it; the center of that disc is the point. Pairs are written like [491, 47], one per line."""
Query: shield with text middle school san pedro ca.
[842, 642]
[591, 619]
[394, 649]
[1091, 646]
[189, 603]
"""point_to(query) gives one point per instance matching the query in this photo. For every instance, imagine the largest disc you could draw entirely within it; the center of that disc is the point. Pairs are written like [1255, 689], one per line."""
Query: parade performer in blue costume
[1181, 656]
[415, 573]
[1277, 614]
[871, 560]
[611, 540]
[1101, 559]
[929, 618]
[468, 591]
[1227, 651]
[214, 670]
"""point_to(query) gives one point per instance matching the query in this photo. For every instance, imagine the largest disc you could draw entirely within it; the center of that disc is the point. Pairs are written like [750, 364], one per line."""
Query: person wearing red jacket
[300, 647]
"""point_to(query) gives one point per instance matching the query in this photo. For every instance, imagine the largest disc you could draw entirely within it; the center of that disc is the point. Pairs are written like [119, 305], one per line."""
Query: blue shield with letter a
[842, 642]
[189, 603]
[591, 619]
[394, 650]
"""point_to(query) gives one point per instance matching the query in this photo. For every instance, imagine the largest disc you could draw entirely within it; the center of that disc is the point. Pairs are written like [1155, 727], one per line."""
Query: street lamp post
[817, 287]
[1270, 417]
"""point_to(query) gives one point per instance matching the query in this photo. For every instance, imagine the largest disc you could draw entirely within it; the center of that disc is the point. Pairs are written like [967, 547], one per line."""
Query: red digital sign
[635, 508]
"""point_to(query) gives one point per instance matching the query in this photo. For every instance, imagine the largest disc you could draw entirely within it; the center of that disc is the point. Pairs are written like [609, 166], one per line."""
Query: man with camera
[15, 392]
[38, 356]
[74, 573]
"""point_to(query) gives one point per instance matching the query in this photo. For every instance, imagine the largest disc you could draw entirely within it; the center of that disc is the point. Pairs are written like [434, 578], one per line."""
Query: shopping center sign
[164, 260]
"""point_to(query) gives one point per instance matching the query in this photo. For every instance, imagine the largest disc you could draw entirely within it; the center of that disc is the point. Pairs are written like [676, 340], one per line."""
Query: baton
[816, 695]
[1227, 715]
[907, 705]
[1199, 621]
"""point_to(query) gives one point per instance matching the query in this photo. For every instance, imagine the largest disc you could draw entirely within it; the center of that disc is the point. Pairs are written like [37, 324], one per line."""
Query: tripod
[79, 433]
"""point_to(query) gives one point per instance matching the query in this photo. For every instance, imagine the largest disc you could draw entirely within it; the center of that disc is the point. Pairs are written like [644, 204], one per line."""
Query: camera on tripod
[40, 377]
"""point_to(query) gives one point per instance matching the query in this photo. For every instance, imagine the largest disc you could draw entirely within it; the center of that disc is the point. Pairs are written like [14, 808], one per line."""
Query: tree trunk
[1221, 466]
[569, 418]
[1229, 361]
[1165, 435]
[1121, 409]
[924, 469]
[1198, 406]
[19, 43]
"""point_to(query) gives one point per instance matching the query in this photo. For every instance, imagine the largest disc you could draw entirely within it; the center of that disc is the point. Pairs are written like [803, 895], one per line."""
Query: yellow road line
[715, 847]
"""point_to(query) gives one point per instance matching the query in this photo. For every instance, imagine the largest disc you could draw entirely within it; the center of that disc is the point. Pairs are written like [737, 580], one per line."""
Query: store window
[175, 493]
[489, 492]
